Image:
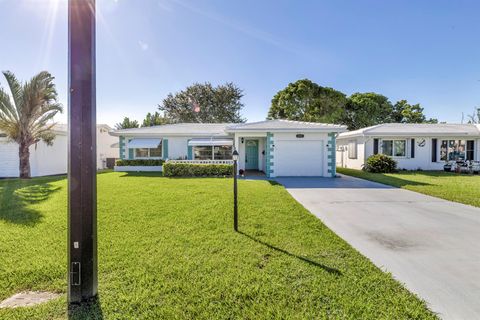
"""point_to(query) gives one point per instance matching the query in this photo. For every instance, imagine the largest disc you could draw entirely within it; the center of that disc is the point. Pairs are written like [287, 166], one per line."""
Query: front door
[251, 155]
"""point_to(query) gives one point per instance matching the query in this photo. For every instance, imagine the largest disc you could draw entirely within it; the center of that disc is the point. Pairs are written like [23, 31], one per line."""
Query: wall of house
[44, 159]
[8, 159]
[104, 147]
[49, 160]
[177, 147]
[342, 159]
[423, 154]
[240, 147]
[324, 139]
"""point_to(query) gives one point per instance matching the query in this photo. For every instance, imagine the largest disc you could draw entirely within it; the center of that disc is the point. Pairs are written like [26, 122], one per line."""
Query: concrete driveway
[429, 244]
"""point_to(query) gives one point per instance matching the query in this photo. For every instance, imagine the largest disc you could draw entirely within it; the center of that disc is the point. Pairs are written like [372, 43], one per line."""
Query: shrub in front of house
[139, 163]
[197, 170]
[380, 163]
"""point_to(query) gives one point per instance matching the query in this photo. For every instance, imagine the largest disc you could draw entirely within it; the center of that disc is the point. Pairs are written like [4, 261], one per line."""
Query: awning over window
[144, 143]
[210, 142]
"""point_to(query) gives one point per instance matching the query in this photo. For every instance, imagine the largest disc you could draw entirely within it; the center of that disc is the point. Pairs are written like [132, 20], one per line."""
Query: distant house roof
[286, 125]
[180, 129]
[415, 129]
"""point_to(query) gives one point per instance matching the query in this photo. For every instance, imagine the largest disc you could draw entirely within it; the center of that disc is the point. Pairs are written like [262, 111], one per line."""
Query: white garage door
[298, 158]
[8, 159]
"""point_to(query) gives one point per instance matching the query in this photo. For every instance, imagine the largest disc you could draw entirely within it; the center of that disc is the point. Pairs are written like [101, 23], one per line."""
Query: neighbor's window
[444, 150]
[212, 152]
[399, 148]
[387, 147]
[394, 148]
[352, 149]
[452, 150]
[470, 149]
[148, 152]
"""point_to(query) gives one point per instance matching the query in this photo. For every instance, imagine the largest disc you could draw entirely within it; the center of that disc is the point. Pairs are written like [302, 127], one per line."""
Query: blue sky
[427, 52]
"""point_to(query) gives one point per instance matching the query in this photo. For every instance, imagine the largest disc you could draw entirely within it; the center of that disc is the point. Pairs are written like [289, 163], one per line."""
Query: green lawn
[461, 188]
[167, 251]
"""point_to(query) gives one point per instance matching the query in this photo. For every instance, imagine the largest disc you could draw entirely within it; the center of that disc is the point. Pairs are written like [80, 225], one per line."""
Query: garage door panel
[298, 158]
[8, 159]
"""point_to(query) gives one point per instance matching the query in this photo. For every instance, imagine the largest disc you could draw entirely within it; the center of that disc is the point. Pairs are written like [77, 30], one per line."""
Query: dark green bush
[196, 170]
[139, 162]
[380, 163]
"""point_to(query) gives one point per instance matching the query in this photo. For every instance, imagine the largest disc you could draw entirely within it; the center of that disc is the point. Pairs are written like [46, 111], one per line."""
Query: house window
[453, 150]
[202, 153]
[352, 149]
[470, 149]
[394, 148]
[222, 152]
[212, 152]
[399, 148]
[148, 152]
[141, 153]
[387, 147]
[155, 152]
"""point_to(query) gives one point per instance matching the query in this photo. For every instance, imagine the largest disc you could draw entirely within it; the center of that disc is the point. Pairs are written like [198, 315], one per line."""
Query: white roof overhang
[210, 142]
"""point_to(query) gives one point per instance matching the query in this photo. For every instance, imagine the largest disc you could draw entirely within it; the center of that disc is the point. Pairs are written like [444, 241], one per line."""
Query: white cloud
[143, 45]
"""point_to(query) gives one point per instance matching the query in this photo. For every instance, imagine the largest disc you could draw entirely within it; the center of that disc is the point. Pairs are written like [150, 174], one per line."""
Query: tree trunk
[24, 156]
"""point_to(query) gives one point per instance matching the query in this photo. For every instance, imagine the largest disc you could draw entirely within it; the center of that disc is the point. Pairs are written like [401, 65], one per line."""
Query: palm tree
[25, 114]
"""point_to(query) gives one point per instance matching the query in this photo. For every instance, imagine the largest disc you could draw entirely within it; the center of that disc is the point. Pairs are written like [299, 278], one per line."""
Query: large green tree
[305, 100]
[367, 109]
[403, 112]
[155, 119]
[26, 114]
[204, 103]
[127, 124]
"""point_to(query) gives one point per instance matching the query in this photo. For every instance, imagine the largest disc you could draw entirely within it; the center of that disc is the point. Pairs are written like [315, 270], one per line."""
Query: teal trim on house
[189, 152]
[130, 153]
[269, 155]
[121, 145]
[165, 149]
[331, 154]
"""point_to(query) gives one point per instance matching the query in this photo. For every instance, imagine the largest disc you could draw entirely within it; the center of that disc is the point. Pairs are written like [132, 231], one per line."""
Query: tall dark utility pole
[82, 191]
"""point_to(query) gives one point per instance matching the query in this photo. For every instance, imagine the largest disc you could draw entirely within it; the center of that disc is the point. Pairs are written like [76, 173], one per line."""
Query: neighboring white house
[276, 147]
[107, 146]
[413, 146]
[50, 160]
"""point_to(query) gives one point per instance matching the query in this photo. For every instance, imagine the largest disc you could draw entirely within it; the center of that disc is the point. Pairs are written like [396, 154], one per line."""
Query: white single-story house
[413, 146]
[51, 160]
[275, 147]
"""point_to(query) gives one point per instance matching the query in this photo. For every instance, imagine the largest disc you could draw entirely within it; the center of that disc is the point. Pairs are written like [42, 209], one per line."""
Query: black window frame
[412, 148]
[470, 150]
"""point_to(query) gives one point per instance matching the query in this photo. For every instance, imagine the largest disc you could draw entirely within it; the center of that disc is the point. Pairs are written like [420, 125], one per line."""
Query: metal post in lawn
[82, 192]
[235, 190]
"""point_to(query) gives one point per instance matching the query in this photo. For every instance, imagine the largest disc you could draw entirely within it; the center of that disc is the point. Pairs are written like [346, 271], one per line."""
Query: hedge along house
[275, 147]
[413, 146]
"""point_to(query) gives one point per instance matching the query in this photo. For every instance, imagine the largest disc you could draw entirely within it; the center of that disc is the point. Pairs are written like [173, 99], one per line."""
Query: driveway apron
[429, 244]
